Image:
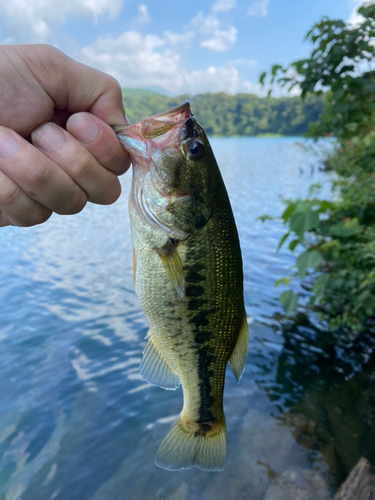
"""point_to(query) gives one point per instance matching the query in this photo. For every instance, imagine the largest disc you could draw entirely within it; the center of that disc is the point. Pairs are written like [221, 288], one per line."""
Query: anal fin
[238, 359]
[155, 369]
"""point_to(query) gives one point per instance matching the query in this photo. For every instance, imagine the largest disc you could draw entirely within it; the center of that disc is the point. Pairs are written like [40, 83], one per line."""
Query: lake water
[77, 422]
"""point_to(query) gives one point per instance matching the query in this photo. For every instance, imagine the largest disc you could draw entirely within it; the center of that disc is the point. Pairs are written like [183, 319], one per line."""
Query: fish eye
[195, 150]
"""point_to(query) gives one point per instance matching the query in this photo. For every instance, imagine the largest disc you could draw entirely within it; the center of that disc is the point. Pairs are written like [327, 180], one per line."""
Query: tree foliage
[337, 265]
[340, 64]
[240, 115]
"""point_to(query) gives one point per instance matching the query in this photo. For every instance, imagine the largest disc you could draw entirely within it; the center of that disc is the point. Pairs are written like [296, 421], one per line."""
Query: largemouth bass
[188, 278]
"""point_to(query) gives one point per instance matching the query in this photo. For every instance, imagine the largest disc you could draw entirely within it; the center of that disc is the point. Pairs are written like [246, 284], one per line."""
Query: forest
[232, 115]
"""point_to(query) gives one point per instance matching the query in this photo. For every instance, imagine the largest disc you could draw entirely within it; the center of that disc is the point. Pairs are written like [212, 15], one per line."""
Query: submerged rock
[360, 484]
[298, 484]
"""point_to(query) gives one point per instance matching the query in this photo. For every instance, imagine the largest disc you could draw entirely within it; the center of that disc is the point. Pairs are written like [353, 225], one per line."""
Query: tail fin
[183, 448]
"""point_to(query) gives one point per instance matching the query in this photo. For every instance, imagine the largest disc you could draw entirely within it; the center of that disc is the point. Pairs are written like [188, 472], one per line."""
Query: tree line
[233, 115]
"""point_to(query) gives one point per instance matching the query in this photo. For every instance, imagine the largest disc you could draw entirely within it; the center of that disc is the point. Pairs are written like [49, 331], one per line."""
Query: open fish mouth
[161, 134]
[164, 130]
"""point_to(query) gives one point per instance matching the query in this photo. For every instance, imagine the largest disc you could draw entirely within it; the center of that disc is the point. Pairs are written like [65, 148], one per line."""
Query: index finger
[100, 139]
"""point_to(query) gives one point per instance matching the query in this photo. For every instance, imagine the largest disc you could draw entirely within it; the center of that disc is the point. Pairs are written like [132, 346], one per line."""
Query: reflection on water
[77, 421]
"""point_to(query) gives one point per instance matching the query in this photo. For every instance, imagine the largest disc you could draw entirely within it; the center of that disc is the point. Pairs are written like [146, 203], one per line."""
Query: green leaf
[306, 260]
[293, 244]
[262, 77]
[275, 68]
[342, 230]
[302, 222]
[264, 218]
[325, 205]
[285, 281]
[283, 238]
[288, 211]
[288, 301]
[320, 285]
[304, 206]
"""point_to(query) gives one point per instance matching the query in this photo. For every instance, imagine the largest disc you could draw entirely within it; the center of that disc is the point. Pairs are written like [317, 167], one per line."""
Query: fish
[188, 278]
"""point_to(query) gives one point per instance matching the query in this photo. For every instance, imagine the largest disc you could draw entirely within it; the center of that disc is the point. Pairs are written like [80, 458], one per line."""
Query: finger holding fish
[36, 182]
[100, 140]
[100, 184]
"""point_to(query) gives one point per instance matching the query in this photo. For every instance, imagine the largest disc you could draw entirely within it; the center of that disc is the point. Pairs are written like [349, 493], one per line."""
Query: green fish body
[188, 278]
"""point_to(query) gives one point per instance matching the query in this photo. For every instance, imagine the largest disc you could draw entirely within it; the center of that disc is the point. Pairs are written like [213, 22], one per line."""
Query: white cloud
[259, 8]
[143, 16]
[222, 40]
[213, 36]
[148, 61]
[250, 63]
[223, 5]
[355, 18]
[33, 20]
[178, 39]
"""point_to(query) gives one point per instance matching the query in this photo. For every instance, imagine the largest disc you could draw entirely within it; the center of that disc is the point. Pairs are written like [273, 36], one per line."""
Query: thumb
[75, 87]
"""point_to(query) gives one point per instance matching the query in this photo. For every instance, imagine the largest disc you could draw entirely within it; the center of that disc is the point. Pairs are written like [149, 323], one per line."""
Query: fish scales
[189, 281]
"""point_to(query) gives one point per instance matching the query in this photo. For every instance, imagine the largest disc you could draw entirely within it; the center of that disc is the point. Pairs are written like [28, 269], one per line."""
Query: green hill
[232, 115]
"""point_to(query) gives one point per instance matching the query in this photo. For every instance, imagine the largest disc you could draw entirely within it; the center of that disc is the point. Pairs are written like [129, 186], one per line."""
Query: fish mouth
[161, 134]
[163, 129]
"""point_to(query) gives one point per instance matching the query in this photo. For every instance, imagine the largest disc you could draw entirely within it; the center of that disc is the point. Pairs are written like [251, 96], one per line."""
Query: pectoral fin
[173, 266]
[155, 369]
[238, 359]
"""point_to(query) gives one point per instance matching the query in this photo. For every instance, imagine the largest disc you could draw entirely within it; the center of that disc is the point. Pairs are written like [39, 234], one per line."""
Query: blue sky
[180, 46]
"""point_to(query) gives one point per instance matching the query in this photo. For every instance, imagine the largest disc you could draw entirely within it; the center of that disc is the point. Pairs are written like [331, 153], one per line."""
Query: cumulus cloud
[32, 21]
[222, 40]
[259, 8]
[213, 36]
[223, 5]
[148, 61]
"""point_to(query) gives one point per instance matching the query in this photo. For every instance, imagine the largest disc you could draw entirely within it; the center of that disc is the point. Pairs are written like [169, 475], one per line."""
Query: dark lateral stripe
[197, 305]
[206, 399]
[195, 273]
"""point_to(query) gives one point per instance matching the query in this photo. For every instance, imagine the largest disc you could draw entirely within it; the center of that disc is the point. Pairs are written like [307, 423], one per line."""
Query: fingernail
[83, 127]
[8, 143]
[48, 137]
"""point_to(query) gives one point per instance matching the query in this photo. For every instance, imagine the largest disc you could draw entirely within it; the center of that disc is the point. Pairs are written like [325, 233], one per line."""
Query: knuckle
[114, 159]
[17, 208]
[9, 192]
[75, 203]
[37, 215]
[39, 177]
[114, 85]
[81, 168]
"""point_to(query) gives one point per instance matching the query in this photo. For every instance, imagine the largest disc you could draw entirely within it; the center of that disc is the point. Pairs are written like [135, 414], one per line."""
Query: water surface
[78, 422]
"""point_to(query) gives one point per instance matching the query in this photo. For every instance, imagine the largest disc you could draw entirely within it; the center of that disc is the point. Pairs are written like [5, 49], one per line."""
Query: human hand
[57, 148]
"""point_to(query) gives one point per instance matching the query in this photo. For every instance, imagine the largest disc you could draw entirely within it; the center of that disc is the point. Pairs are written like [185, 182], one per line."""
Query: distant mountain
[232, 115]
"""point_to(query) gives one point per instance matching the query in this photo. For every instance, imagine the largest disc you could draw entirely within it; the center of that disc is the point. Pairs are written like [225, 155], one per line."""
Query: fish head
[173, 166]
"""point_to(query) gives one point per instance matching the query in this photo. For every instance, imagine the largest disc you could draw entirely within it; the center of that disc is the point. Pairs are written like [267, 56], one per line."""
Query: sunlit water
[78, 422]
